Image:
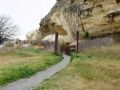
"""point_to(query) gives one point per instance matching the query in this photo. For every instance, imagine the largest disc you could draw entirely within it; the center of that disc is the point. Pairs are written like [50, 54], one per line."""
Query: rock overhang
[93, 16]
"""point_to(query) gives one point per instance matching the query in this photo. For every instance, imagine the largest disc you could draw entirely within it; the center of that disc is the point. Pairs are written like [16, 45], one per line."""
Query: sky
[26, 13]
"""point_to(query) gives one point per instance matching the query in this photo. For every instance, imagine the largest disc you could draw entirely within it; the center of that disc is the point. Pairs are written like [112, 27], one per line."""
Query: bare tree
[7, 28]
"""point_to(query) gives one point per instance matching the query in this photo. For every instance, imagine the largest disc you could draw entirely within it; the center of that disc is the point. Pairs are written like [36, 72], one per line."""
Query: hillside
[97, 17]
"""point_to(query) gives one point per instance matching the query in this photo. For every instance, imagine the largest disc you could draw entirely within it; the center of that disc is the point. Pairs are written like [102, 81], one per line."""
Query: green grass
[91, 69]
[17, 64]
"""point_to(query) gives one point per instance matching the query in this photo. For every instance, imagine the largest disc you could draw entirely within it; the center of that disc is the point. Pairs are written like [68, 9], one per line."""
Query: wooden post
[77, 38]
[56, 43]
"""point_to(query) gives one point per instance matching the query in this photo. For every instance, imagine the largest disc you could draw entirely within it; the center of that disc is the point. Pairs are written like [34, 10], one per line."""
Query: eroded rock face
[51, 38]
[34, 35]
[98, 17]
[117, 1]
[17, 43]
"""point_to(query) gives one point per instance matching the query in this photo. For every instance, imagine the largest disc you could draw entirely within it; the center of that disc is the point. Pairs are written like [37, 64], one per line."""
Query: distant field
[23, 63]
[92, 69]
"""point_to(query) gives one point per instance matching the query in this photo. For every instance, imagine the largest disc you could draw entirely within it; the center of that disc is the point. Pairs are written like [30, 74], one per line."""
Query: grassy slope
[24, 63]
[93, 69]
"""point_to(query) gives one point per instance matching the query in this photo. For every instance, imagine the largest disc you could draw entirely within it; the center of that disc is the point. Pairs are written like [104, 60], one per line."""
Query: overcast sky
[26, 13]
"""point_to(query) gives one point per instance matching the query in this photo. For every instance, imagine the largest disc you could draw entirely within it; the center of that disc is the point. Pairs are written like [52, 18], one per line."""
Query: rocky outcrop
[33, 35]
[51, 38]
[97, 17]
[17, 43]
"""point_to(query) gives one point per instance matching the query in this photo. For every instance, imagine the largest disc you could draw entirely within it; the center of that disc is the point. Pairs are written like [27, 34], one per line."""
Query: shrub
[86, 35]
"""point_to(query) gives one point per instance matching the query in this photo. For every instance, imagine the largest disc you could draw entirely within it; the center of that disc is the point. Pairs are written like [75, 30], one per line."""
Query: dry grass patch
[8, 60]
[92, 69]
[23, 63]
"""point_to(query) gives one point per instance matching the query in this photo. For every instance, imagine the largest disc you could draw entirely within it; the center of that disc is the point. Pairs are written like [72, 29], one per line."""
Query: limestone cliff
[97, 17]
[33, 35]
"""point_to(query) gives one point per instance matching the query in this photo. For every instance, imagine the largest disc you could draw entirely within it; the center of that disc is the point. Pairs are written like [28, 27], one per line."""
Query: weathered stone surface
[117, 1]
[51, 38]
[99, 17]
[34, 35]
[26, 45]
[17, 43]
[8, 44]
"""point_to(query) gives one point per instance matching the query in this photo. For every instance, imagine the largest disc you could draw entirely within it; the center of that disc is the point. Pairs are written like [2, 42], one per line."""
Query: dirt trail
[36, 80]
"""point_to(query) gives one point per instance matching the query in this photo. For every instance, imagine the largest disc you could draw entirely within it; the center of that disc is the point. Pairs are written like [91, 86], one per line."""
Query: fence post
[56, 43]
[77, 38]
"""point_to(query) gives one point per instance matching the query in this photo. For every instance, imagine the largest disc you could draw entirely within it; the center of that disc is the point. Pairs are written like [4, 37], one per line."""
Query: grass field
[92, 69]
[23, 63]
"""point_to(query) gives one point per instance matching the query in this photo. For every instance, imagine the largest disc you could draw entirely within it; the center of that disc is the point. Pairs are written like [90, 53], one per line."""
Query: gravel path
[36, 80]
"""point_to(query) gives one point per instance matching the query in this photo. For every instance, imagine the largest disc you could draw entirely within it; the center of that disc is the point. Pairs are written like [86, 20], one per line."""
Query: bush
[87, 35]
